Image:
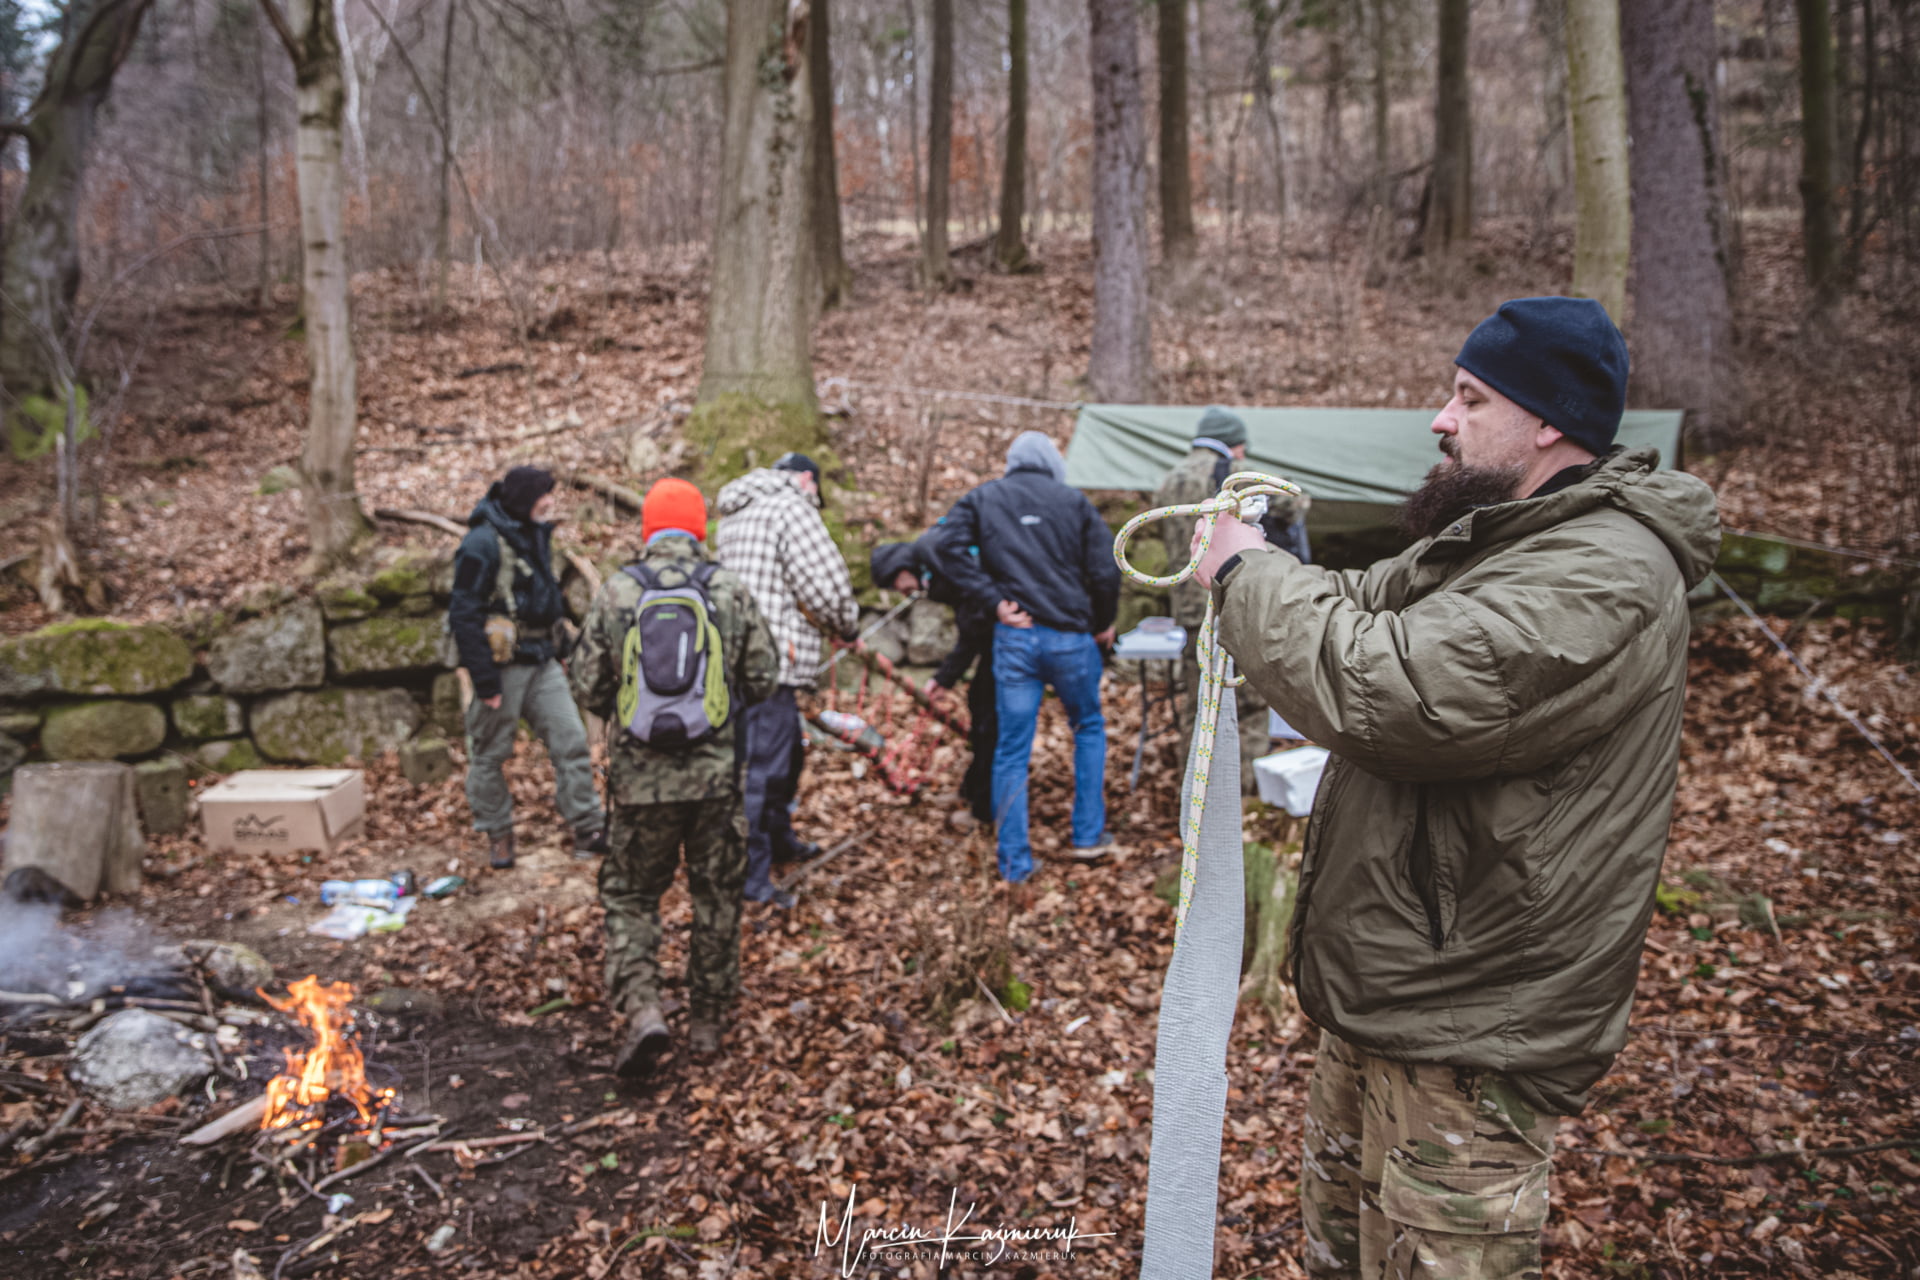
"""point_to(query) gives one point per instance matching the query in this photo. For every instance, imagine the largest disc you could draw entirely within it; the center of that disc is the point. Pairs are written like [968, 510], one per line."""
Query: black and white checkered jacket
[772, 536]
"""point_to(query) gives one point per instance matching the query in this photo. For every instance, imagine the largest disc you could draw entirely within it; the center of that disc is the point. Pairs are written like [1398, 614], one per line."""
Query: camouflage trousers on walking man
[1420, 1172]
[646, 843]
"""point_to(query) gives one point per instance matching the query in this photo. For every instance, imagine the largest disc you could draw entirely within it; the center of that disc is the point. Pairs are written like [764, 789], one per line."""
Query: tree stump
[78, 822]
[1273, 884]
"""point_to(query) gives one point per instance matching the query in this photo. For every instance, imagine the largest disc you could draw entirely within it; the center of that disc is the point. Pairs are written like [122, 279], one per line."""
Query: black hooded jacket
[537, 600]
[1042, 545]
[921, 557]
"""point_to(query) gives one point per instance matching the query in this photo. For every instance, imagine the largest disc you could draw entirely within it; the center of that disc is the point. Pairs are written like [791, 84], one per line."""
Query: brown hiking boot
[500, 849]
[703, 1035]
[645, 1041]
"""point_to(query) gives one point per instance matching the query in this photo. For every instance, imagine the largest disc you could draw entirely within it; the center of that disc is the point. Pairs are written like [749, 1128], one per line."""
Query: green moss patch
[94, 656]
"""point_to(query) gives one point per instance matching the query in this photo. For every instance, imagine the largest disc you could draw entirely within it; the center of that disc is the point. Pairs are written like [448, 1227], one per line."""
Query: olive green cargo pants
[539, 695]
[647, 843]
[1428, 1172]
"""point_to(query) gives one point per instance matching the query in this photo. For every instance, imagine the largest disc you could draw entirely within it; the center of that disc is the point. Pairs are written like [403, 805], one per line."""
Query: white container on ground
[1288, 779]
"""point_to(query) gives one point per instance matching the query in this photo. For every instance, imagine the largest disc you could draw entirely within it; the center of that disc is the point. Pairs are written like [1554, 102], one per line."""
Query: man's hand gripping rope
[1244, 494]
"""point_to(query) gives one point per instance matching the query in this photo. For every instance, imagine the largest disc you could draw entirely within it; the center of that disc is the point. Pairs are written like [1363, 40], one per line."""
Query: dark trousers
[773, 764]
[983, 730]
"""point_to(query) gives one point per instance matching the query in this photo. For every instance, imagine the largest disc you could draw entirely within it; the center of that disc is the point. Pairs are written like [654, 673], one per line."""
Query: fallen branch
[604, 487]
[988, 993]
[29, 997]
[247, 1115]
[472, 1144]
[409, 516]
[517, 437]
[1758, 1157]
[34, 1146]
[800, 872]
[355, 1170]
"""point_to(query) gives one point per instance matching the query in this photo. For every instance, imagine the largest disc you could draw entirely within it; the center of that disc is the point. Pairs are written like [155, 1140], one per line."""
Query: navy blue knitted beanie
[1560, 359]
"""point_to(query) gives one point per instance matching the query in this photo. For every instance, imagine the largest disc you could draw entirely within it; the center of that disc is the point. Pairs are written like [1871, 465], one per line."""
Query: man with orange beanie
[672, 652]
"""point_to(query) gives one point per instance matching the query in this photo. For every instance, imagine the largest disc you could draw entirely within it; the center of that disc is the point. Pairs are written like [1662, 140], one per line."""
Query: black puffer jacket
[1042, 545]
[537, 601]
[921, 557]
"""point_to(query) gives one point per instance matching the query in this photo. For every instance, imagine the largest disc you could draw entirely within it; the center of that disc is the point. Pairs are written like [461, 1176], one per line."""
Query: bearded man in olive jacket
[1503, 704]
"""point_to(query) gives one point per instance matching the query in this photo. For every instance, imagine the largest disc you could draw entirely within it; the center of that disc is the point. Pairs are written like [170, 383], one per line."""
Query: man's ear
[1546, 436]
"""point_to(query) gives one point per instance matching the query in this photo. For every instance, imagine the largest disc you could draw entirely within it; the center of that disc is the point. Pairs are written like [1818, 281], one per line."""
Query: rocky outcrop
[384, 644]
[93, 656]
[136, 1059]
[328, 726]
[208, 715]
[104, 730]
[283, 650]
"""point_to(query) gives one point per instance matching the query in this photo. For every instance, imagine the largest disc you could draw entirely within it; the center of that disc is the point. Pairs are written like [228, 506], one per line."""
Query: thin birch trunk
[1597, 108]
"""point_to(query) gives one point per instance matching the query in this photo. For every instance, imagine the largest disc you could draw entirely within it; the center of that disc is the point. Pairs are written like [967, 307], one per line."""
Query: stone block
[426, 761]
[386, 644]
[20, 722]
[283, 650]
[103, 730]
[345, 601]
[412, 576]
[931, 632]
[228, 755]
[135, 1059]
[208, 715]
[160, 787]
[328, 726]
[448, 715]
[93, 656]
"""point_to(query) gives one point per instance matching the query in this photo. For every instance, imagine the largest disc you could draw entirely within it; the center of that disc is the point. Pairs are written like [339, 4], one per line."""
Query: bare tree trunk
[1332, 131]
[443, 211]
[1266, 96]
[913, 110]
[1449, 203]
[836, 277]
[1382, 106]
[1682, 316]
[40, 275]
[1597, 96]
[335, 522]
[262, 176]
[1010, 245]
[1817, 148]
[766, 287]
[1121, 366]
[1176, 174]
[937, 269]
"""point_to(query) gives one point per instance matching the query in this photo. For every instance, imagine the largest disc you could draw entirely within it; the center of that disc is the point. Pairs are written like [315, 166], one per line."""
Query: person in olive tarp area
[504, 616]
[1503, 703]
[909, 567]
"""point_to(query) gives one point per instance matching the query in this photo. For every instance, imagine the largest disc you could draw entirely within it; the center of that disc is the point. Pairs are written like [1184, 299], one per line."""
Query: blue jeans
[1025, 661]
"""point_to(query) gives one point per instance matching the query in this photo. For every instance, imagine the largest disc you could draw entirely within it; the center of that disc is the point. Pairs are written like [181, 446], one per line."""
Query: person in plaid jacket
[771, 535]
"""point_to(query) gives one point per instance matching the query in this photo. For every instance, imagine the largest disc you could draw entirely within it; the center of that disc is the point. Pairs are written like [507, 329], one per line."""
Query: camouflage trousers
[646, 844]
[1420, 1171]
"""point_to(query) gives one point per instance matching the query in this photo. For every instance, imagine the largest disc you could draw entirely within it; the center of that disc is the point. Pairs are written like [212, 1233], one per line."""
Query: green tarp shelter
[1356, 464]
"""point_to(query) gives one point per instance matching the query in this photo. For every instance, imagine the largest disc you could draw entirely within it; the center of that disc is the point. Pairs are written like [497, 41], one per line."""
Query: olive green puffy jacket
[1503, 705]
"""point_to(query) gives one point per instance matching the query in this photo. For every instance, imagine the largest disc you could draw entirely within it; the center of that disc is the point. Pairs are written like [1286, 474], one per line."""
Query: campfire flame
[297, 1098]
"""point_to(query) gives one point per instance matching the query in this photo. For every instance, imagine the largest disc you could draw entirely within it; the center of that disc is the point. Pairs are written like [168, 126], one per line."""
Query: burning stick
[297, 1098]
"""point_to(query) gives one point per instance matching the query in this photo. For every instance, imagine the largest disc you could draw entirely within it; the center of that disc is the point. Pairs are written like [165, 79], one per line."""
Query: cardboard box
[284, 809]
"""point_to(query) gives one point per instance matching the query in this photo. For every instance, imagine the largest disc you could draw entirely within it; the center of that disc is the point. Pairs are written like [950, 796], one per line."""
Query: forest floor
[865, 1065]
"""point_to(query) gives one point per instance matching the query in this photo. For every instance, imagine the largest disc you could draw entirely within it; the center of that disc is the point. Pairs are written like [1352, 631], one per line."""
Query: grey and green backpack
[673, 676]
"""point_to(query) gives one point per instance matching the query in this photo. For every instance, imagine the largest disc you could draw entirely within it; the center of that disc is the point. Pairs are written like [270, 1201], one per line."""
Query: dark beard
[1451, 490]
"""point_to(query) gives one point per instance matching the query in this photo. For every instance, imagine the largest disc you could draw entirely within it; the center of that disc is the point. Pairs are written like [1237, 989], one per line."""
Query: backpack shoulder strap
[642, 574]
[703, 575]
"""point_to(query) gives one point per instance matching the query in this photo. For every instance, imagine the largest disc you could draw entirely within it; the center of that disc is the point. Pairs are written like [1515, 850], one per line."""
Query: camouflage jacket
[1195, 479]
[636, 772]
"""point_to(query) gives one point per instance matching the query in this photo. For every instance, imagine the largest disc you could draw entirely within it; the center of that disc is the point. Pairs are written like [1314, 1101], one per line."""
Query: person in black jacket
[506, 605]
[1046, 571]
[909, 567]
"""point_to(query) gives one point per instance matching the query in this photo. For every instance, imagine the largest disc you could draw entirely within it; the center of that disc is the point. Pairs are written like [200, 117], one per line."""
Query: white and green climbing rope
[1203, 978]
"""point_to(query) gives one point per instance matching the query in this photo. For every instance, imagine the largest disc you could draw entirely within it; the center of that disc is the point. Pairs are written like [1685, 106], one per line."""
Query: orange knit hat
[673, 504]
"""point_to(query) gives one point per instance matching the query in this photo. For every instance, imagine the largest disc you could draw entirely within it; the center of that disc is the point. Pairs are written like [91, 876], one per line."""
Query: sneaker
[798, 851]
[773, 895]
[1092, 852]
[500, 849]
[703, 1035]
[590, 844]
[645, 1041]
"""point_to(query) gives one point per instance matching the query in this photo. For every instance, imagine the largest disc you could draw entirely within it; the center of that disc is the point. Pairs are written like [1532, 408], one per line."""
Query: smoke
[115, 948]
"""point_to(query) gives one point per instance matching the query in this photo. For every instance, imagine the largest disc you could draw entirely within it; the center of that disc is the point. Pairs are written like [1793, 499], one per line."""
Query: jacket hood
[889, 558]
[1034, 451]
[492, 510]
[1678, 508]
[737, 495]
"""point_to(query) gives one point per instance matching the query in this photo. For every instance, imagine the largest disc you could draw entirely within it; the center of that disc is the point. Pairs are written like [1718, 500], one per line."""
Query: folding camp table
[1154, 640]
